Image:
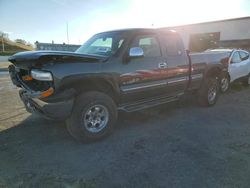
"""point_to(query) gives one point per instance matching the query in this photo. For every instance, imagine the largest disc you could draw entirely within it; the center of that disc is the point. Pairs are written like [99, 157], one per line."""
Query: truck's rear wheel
[93, 116]
[224, 83]
[208, 93]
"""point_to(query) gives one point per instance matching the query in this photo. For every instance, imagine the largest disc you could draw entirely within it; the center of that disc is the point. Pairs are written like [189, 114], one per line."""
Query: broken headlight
[41, 75]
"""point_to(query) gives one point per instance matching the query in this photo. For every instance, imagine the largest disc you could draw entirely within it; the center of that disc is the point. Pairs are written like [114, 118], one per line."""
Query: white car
[238, 67]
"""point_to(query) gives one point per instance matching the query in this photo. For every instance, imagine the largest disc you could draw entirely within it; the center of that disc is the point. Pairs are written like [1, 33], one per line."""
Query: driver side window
[149, 44]
[236, 58]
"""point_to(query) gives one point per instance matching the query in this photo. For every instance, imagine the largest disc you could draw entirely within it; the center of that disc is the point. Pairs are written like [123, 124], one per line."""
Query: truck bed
[200, 61]
[211, 57]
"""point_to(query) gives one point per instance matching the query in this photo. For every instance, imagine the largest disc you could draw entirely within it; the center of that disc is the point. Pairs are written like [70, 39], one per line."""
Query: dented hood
[36, 58]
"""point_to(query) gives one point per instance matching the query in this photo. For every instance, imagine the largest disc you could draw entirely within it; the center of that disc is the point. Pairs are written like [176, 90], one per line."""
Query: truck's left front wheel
[93, 116]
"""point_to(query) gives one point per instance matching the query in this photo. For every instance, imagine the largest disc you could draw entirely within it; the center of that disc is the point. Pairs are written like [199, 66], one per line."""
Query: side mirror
[136, 52]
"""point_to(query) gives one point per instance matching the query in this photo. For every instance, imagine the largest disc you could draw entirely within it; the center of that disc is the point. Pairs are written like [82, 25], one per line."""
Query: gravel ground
[174, 145]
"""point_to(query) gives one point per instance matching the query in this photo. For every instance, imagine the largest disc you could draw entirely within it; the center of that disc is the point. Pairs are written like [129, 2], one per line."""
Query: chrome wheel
[224, 84]
[96, 118]
[212, 92]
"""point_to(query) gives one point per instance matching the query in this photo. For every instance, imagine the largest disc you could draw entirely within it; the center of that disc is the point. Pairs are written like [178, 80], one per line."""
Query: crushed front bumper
[59, 108]
[56, 106]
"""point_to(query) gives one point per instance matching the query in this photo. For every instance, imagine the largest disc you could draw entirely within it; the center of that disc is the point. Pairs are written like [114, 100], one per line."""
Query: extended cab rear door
[177, 63]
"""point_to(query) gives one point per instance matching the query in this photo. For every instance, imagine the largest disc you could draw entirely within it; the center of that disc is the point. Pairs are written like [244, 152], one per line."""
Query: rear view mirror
[136, 52]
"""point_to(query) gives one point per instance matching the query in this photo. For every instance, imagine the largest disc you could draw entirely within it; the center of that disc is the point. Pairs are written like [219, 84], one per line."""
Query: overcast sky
[46, 20]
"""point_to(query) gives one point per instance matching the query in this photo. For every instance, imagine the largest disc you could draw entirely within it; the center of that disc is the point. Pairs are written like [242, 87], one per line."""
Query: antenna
[3, 41]
[67, 32]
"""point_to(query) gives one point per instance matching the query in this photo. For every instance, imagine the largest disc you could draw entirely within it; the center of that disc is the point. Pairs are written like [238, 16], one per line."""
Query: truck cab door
[177, 62]
[144, 77]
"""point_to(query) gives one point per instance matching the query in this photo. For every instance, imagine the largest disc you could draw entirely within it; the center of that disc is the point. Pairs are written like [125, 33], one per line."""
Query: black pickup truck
[129, 70]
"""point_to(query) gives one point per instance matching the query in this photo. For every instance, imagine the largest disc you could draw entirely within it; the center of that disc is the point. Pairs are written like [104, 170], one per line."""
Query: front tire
[93, 117]
[208, 93]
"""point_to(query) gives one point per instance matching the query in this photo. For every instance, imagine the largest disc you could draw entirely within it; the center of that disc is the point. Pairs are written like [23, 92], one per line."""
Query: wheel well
[214, 72]
[95, 85]
[227, 73]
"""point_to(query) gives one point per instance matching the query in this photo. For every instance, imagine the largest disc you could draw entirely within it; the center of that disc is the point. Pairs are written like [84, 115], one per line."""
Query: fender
[102, 82]
[214, 69]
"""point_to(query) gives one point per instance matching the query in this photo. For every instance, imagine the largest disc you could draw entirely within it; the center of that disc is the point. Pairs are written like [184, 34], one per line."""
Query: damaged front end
[40, 75]
[37, 92]
[34, 85]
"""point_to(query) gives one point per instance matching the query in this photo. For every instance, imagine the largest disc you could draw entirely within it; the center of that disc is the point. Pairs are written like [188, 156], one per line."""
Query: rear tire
[93, 117]
[208, 93]
[224, 83]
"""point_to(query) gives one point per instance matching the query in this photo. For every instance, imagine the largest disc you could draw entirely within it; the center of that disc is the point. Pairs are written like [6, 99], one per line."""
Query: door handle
[162, 65]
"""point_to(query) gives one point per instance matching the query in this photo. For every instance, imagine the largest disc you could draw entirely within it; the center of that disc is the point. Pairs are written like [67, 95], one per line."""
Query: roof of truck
[141, 30]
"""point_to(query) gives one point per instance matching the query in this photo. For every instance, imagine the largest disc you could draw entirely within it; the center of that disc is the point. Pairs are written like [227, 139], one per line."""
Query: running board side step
[147, 104]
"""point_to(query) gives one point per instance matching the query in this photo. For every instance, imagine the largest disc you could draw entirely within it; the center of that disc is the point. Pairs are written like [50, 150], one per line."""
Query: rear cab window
[173, 45]
[173, 49]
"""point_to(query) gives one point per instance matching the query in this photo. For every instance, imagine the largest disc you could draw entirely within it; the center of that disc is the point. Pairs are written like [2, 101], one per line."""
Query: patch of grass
[7, 53]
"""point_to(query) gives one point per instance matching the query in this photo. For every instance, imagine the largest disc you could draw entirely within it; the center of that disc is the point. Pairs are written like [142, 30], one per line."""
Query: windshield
[106, 44]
